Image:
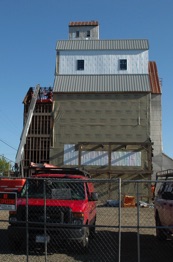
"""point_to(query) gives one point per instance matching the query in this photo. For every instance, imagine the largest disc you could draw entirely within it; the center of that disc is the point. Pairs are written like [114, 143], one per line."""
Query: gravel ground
[138, 244]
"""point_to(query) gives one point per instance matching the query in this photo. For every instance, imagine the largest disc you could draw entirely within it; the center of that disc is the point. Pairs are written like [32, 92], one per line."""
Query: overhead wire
[7, 158]
[8, 144]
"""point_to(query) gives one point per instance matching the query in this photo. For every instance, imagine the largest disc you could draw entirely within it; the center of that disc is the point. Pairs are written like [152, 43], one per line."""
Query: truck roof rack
[64, 170]
[164, 174]
[45, 168]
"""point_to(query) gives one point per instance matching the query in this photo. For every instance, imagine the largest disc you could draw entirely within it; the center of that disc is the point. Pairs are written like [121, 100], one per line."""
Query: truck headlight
[13, 219]
[12, 216]
[78, 218]
[77, 221]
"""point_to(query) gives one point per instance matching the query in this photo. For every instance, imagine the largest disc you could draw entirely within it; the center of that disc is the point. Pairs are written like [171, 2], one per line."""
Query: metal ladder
[20, 151]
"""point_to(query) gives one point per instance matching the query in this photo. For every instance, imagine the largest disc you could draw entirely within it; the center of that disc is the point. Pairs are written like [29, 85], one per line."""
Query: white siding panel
[103, 62]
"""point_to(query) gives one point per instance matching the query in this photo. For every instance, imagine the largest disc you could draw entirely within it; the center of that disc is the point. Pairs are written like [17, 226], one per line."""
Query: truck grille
[53, 214]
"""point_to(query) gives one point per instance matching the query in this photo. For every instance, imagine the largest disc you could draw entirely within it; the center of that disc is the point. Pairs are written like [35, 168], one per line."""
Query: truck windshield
[54, 189]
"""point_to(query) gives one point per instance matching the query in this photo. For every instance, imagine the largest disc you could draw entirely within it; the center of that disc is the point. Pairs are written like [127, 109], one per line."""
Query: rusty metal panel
[154, 78]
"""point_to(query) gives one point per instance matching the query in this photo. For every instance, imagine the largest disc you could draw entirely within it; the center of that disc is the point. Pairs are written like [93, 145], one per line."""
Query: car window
[159, 188]
[168, 187]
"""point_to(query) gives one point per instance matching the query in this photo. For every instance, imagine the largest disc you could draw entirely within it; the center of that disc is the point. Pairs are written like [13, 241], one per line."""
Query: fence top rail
[74, 180]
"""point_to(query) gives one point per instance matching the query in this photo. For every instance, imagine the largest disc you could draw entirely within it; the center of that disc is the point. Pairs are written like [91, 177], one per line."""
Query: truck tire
[84, 245]
[161, 233]
[15, 242]
[14, 245]
[92, 230]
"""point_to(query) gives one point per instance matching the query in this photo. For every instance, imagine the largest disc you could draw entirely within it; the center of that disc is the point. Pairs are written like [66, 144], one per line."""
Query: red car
[54, 205]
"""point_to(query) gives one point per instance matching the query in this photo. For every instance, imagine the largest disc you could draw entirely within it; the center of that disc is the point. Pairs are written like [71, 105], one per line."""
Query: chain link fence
[125, 228]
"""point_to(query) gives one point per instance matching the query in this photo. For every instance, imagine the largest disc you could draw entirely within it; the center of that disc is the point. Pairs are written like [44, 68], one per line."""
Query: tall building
[102, 104]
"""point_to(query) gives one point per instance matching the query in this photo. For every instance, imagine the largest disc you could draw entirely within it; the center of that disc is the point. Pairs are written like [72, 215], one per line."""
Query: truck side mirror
[94, 196]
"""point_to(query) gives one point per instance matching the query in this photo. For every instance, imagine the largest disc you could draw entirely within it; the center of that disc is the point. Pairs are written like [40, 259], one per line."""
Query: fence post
[119, 222]
[138, 223]
[27, 229]
[45, 231]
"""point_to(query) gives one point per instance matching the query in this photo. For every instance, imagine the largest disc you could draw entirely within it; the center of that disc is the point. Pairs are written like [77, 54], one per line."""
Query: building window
[77, 33]
[80, 64]
[123, 64]
[88, 33]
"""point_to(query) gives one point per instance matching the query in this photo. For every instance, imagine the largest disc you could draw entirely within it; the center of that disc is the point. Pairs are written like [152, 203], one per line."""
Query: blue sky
[29, 30]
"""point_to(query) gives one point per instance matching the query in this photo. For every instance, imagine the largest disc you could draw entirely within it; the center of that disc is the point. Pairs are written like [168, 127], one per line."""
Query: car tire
[161, 233]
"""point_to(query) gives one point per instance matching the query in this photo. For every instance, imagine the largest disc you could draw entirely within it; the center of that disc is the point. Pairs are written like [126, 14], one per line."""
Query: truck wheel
[161, 233]
[14, 246]
[92, 230]
[15, 242]
[85, 242]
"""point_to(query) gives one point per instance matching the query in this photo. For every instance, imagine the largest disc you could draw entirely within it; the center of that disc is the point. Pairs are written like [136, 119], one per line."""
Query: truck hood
[75, 205]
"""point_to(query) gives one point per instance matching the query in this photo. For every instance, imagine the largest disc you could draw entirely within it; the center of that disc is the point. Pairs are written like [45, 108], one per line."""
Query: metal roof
[101, 83]
[129, 44]
[88, 23]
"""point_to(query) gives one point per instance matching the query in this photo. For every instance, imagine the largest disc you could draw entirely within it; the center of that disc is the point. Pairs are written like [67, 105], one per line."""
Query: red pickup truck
[54, 205]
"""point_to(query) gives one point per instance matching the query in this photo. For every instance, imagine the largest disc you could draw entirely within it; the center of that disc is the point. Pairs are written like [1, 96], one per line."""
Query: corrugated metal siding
[154, 78]
[101, 83]
[88, 23]
[129, 44]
